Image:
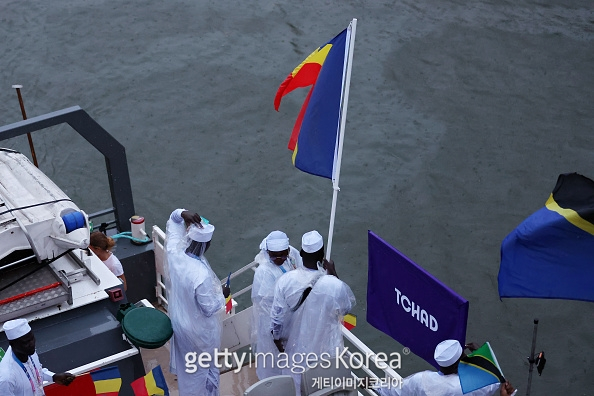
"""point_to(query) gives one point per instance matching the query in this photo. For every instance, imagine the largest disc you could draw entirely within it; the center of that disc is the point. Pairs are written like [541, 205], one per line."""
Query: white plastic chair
[271, 386]
[312, 379]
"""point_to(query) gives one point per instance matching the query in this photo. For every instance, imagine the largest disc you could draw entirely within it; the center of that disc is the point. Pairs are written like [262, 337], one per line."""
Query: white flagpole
[343, 114]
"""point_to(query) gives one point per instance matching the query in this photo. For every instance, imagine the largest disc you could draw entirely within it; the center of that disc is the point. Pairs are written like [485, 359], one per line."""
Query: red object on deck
[29, 293]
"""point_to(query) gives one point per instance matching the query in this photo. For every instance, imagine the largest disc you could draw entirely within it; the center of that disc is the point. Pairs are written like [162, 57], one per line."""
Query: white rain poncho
[431, 383]
[262, 297]
[287, 293]
[195, 299]
[316, 326]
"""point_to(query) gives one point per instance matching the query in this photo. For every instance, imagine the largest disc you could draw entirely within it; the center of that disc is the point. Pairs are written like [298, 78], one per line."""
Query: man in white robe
[21, 373]
[289, 288]
[276, 257]
[195, 302]
[316, 331]
[444, 382]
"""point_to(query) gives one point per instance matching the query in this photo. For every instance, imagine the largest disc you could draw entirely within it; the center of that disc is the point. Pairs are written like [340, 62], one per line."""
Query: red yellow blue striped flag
[314, 140]
[153, 383]
[229, 298]
[107, 381]
[349, 321]
[228, 304]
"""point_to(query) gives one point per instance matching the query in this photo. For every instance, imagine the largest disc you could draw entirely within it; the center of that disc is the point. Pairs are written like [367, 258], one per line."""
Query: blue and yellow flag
[551, 254]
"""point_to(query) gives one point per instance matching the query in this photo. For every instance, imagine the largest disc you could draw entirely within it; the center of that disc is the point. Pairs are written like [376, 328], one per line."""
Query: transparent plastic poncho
[316, 326]
[265, 279]
[194, 301]
[287, 293]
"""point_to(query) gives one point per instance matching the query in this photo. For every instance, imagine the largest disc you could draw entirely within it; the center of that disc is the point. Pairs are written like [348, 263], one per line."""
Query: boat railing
[236, 326]
[159, 248]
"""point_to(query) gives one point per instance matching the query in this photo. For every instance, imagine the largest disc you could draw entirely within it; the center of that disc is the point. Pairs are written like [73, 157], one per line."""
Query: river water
[461, 116]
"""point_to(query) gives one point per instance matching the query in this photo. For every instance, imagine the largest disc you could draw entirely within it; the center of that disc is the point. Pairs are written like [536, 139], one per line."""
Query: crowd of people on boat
[298, 304]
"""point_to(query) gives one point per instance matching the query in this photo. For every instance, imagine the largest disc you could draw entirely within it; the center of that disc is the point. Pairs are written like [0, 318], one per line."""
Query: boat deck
[232, 384]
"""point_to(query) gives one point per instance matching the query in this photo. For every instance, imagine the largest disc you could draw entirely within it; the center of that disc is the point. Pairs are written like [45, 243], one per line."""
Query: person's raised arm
[191, 218]
[330, 267]
[176, 226]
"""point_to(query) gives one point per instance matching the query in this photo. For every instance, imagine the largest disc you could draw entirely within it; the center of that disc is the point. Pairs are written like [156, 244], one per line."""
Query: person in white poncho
[289, 288]
[444, 382]
[195, 299]
[316, 334]
[276, 257]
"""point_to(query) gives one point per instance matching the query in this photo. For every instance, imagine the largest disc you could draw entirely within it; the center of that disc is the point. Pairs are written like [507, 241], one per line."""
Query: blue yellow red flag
[229, 298]
[108, 381]
[153, 383]
[349, 321]
[314, 140]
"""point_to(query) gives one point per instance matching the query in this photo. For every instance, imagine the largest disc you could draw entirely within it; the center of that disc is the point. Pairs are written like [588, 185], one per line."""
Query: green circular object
[147, 327]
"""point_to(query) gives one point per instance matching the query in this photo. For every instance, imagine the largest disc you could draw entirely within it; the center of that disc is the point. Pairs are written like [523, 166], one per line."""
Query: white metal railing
[106, 361]
[160, 288]
[240, 325]
[366, 351]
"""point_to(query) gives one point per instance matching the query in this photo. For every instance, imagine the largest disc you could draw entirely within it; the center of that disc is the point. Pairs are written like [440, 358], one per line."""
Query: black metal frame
[112, 150]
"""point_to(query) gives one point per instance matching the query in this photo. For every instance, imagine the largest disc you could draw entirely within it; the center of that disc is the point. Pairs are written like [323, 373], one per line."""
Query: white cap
[276, 241]
[311, 242]
[16, 328]
[203, 234]
[447, 352]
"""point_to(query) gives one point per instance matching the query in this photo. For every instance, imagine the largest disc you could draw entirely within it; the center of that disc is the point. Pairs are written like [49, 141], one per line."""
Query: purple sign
[409, 304]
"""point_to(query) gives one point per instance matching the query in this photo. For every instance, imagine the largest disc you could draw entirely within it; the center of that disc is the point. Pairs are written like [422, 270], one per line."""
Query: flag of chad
[314, 140]
[151, 384]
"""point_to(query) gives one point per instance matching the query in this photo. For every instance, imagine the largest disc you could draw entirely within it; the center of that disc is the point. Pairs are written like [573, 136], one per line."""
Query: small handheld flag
[349, 321]
[102, 382]
[153, 383]
[108, 381]
[228, 300]
[479, 369]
